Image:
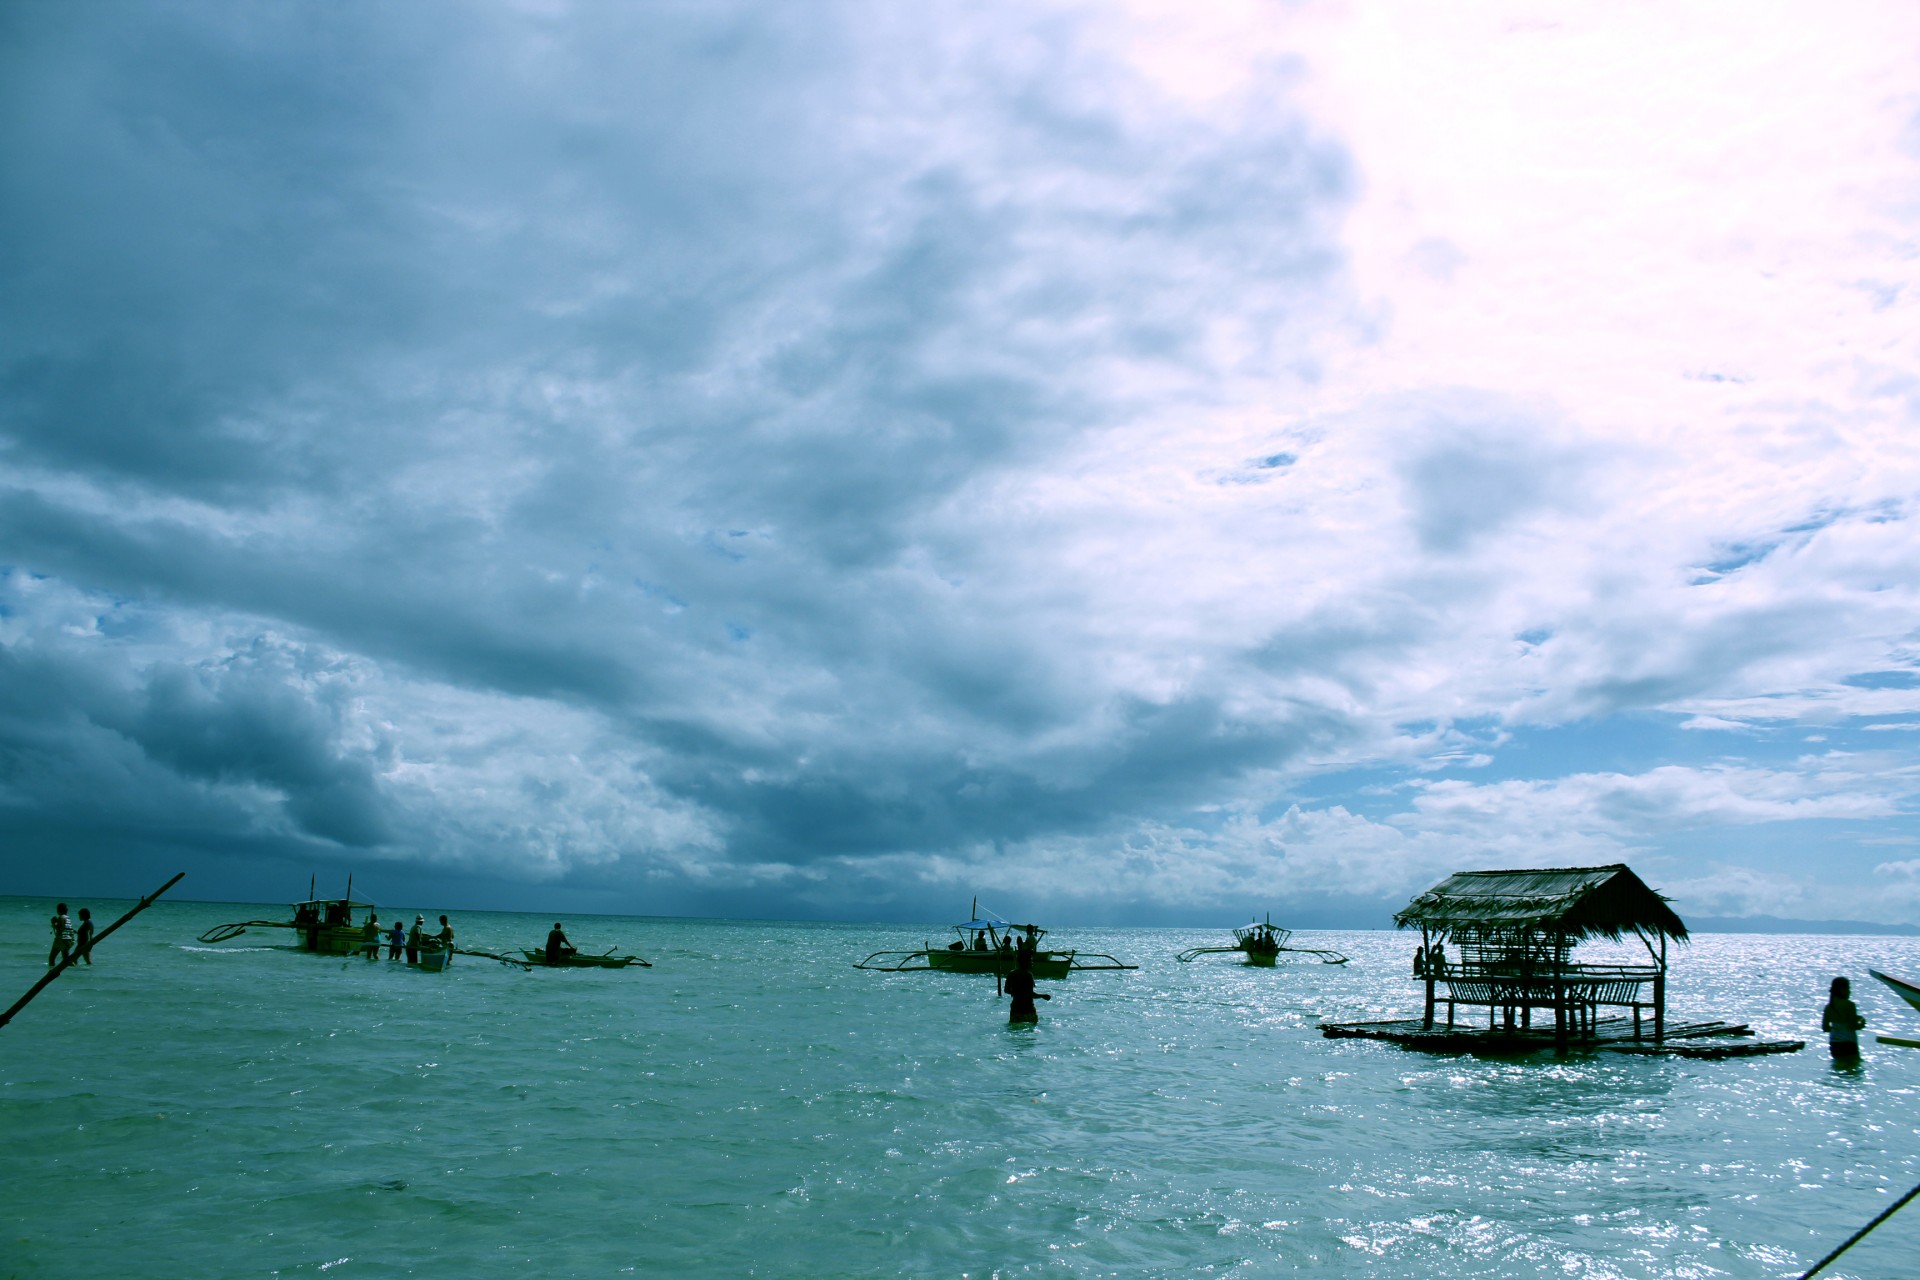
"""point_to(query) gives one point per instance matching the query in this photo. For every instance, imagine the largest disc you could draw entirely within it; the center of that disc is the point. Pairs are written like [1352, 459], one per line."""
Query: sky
[839, 461]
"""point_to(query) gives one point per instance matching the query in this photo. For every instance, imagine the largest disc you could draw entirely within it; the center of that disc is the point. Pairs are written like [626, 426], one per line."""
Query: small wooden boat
[581, 960]
[322, 925]
[989, 944]
[434, 958]
[1262, 943]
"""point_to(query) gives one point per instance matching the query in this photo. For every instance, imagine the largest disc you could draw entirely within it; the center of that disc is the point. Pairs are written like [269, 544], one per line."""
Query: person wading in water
[1020, 989]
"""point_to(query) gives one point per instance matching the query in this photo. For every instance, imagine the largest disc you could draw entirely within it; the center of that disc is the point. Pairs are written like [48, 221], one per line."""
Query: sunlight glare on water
[755, 1106]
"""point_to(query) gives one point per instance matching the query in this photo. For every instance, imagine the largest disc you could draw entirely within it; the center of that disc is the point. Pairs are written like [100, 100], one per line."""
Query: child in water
[1842, 1022]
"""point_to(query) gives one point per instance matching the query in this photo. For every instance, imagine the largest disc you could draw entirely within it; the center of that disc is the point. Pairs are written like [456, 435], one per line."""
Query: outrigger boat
[580, 960]
[989, 944]
[324, 925]
[1261, 942]
[1906, 991]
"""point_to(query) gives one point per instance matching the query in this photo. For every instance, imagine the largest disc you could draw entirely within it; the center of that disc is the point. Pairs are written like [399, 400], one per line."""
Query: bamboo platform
[1608, 1035]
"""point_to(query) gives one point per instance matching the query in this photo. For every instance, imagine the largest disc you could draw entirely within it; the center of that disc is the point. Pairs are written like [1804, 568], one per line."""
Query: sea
[754, 1105]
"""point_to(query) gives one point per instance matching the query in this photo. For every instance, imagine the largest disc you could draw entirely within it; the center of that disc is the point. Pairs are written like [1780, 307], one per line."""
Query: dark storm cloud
[622, 394]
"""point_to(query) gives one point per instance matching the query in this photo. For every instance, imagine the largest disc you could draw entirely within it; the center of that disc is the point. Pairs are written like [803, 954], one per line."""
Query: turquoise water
[755, 1106]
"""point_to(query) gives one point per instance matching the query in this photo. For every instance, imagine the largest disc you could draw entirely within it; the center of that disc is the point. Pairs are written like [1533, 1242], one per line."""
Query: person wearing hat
[413, 940]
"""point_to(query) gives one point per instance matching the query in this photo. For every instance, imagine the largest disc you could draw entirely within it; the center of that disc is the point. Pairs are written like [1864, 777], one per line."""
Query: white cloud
[863, 456]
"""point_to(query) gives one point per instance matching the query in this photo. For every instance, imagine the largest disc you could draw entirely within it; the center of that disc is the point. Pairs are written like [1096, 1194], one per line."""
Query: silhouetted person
[979, 940]
[558, 948]
[83, 941]
[1020, 990]
[62, 927]
[1842, 1022]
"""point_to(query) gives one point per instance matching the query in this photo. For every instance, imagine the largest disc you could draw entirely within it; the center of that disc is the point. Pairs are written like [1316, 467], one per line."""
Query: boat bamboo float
[1262, 943]
[989, 944]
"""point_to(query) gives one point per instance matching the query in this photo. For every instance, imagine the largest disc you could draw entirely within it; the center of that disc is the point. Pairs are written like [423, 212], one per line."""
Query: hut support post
[1660, 994]
[1426, 967]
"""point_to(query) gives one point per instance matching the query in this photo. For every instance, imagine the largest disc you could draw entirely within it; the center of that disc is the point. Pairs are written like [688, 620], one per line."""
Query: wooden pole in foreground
[98, 938]
[1859, 1235]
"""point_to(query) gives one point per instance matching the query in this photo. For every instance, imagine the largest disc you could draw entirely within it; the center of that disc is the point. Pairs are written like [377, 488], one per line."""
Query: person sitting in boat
[1006, 942]
[979, 939]
[558, 948]
[370, 937]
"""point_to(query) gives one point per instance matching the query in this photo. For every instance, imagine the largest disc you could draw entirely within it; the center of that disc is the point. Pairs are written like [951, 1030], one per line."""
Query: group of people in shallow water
[402, 939]
[70, 942]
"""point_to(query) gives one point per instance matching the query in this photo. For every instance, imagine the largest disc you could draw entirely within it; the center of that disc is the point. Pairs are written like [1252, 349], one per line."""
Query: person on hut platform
[1020, 990]
[558, 948]
[1841, 1021]
[83, 940]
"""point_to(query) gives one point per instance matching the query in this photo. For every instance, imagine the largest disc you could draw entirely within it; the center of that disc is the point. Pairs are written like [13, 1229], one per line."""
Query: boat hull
[578, 961]
[331, 940]
[1046, 964]
[435, 961]
[1905, 990]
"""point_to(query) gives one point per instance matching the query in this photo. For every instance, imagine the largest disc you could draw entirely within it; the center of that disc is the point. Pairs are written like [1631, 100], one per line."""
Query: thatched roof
[1582, 901]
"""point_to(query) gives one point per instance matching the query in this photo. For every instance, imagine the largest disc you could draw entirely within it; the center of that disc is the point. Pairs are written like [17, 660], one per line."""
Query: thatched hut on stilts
[1514, 933]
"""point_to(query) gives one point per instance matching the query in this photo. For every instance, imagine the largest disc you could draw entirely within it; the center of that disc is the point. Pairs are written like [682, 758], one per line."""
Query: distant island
[1775, 924]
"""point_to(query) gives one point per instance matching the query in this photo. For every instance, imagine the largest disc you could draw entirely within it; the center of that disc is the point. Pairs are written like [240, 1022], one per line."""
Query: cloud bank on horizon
[837, 462]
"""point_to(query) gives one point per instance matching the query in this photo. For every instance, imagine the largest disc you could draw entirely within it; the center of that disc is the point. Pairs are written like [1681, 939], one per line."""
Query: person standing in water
[370, 936]
[396, 940]
[413, 940]
[62, 926]
[1020, 990]
[83, 941]
[446, 934]
[1841, 1021]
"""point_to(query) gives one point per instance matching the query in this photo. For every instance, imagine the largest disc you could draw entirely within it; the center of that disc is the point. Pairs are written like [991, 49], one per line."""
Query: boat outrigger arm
[1265, 940]
[328, 920]
[990, 944]
[903, 961]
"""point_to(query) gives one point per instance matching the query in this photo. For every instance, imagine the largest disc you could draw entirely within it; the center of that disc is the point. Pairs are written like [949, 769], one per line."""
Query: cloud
[835, 460]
